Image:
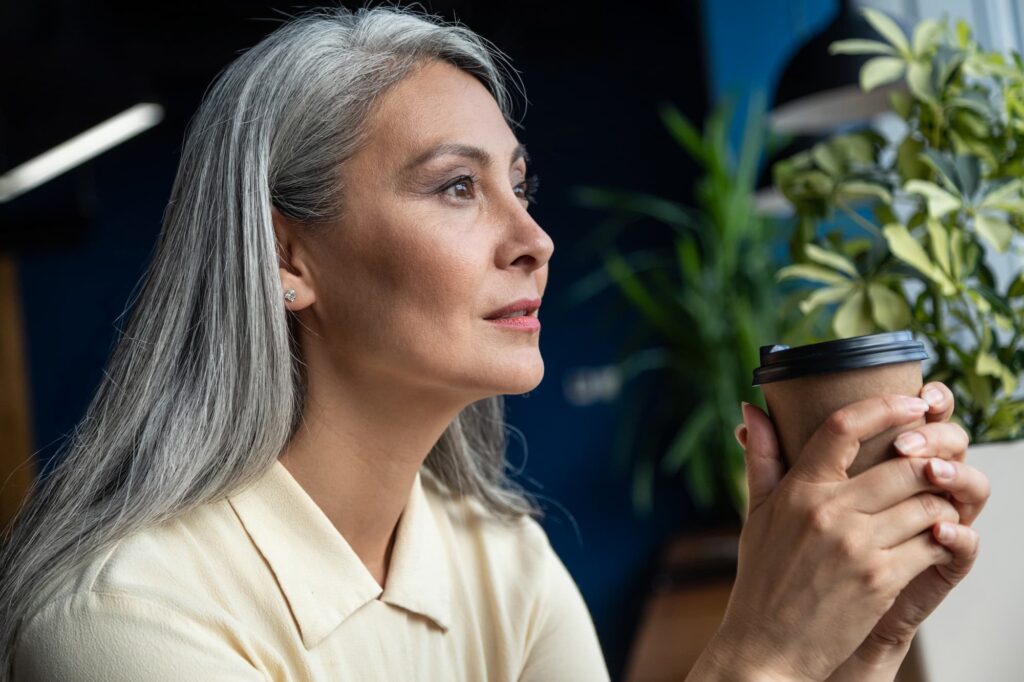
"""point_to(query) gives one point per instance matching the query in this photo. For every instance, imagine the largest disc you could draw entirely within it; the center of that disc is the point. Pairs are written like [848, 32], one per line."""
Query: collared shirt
[262, 586]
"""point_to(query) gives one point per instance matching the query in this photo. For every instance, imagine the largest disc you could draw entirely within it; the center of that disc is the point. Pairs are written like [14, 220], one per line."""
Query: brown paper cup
[802, 386]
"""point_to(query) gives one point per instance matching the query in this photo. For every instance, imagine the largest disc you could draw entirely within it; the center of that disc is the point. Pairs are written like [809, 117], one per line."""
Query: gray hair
[205, 386]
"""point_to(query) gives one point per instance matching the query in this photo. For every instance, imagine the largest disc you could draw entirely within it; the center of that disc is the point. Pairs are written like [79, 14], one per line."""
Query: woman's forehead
[439, 110]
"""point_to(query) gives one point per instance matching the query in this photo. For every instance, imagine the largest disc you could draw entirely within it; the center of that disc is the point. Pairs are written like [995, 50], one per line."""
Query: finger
[741, 435]
[940, 401]
[762, 455]
[887, 484]
[969, 487]
[832, 448]
[909, 518]
[936, 439]
[964, 544]
[907, 560]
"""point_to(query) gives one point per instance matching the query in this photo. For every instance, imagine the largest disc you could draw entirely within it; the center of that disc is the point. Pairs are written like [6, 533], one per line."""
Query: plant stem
[937, 319]
[859, 219]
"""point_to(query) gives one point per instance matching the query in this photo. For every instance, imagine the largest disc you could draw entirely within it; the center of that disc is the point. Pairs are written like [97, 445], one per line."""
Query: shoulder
[181, 561]
[140, 610]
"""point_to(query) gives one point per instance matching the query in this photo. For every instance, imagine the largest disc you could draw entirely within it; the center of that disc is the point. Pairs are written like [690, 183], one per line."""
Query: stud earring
[290, 295]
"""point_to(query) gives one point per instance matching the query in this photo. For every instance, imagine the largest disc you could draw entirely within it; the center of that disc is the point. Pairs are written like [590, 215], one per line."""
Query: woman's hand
[968, 489]
[823, 557]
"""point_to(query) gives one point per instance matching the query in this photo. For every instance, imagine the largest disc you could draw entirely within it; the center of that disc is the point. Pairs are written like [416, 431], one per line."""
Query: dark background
[594, 74]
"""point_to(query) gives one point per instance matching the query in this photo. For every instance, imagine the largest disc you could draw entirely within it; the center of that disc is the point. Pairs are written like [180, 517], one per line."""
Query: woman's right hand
[822, 557]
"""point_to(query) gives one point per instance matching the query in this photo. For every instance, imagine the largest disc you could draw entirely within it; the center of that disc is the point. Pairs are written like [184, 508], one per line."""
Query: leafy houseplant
[944, 199]
[708, 300]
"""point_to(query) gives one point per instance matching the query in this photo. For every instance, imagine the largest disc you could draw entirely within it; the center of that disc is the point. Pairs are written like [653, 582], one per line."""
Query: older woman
[294, 469]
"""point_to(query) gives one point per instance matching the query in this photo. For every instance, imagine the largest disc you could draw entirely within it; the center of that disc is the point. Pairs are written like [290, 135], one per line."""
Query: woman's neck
[356, 454]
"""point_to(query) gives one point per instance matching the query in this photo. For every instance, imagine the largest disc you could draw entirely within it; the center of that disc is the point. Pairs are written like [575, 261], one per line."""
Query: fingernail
[741, 435]
[942, 468]
[915, 405]
[934, 397]
[743, 410]
[910, 443]
[946, 532]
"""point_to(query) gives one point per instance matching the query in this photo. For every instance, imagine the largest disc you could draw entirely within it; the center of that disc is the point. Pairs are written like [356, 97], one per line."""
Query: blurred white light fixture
[79, 149]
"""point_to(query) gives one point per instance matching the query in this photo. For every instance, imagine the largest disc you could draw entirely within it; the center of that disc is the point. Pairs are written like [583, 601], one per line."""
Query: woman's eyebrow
[464, 150]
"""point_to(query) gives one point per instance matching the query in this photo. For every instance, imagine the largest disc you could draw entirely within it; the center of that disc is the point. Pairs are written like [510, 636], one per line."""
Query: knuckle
[911, 472]
[848, 548]
[819, 520]
[931, 505]
[840, 423]
[892, 403]
[875, 579]
[976, 546]
[984, 485]
[962, 436]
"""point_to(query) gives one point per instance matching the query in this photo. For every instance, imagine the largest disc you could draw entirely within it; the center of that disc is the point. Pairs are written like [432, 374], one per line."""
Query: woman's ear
[296, 285]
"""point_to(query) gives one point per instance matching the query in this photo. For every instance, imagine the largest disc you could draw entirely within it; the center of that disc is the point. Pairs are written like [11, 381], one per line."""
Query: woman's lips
[526, 323]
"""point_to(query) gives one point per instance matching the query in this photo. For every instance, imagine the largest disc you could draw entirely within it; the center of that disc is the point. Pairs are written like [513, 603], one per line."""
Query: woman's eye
[461, 188]
[527, 189]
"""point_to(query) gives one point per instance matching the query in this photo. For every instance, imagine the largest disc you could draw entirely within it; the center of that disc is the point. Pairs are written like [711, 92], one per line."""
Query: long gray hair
[205, 385]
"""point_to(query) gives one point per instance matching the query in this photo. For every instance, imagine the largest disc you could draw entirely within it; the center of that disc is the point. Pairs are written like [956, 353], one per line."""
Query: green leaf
[688, 260]
[1017, 288]
[956, 251]
[889, 309]
[825, 296]
[978, 387]
[988, 364]
[1007, 193]
[927, 35]
[658, 314]
[997, 232]
[901, 104]
[879, 71]
[683, 131]
[687, 441]
[919, 79]
[827, 159]
[888, 29]
[908, 160]
[905, 247]
[963, 33]
[853, 317]
[945, 168]
[859, 188]
[938, 240]
[811, 273]
[968, 170]
[639, 203]
[940, 202]
[831, 259]
[858, 46]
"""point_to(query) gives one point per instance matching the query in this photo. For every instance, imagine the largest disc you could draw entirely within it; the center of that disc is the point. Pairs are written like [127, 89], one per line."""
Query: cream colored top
[261, 586]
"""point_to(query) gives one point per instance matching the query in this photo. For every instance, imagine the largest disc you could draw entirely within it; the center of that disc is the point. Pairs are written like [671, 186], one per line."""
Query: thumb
[763, 459]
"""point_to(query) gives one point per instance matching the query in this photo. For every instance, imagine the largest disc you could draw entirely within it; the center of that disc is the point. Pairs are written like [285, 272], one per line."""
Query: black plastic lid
[779, 362]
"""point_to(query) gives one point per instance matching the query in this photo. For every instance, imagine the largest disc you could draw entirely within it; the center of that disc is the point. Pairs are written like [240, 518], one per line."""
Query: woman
[294, 469]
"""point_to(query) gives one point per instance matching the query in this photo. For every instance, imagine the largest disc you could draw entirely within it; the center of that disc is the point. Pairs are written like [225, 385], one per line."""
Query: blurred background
[616, 93]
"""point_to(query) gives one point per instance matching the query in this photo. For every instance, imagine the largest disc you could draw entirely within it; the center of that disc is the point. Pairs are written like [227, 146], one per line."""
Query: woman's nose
[527, 245]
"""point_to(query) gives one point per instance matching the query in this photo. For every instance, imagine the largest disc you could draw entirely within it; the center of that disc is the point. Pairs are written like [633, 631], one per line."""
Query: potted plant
[936, 211]
[705, 304]
[945, 200]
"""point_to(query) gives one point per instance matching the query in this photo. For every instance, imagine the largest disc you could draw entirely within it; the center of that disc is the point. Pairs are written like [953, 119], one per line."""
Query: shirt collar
[322, 577]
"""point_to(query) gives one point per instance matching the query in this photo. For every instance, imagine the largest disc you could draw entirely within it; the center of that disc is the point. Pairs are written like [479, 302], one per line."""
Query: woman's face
[435, 238]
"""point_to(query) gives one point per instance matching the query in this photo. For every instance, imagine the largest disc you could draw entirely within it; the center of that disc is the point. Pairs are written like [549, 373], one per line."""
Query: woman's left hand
[968, 489]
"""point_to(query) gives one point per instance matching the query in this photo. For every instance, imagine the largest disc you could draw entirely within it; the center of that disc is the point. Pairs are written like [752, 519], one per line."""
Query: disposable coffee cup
[804, 385]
